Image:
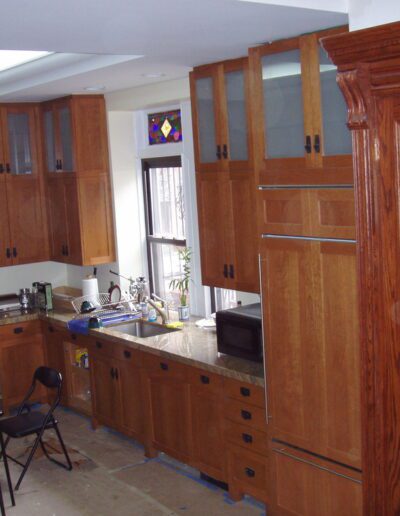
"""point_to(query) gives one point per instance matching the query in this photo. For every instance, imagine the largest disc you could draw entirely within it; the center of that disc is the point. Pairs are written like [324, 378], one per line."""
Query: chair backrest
[48, 377]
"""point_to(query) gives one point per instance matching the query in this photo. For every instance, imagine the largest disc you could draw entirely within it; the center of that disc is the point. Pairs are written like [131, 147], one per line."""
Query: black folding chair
[29, 422]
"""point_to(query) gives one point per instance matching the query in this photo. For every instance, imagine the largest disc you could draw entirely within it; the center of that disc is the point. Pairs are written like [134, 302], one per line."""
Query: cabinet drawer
[12, 331]
[248, 471]
[205, 380]
[248, 438]
[53, 330]
[284, 212]
[250, 394]
[332, 213]
[127, 354]
[248, 415]
[104, 348]
[156, 364]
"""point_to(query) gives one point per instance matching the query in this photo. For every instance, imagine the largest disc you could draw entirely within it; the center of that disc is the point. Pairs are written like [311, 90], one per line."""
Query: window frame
[147, 164]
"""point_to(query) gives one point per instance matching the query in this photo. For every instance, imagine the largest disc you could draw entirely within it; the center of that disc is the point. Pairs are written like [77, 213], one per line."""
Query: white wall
[367, 13]
[22, 276]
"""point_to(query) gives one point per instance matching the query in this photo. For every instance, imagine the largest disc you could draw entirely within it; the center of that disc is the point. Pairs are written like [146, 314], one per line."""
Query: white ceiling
[117, 42]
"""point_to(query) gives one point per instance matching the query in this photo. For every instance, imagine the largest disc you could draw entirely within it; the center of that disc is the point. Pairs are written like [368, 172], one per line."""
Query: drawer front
[205, 380]
[127, 354]
[244, 414]
[12, 331]
[248, 438]
[249, 471]
[250, 394]
[161, 365]
[104, 348]
[284, 212]
[333, 213]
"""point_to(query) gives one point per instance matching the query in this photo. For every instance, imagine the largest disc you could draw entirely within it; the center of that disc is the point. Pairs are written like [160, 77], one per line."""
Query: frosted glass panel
[237, 123]
[283, 105]
[337, 138]
[19, 143]
[206, 121]
[50, 141]
[66, 139]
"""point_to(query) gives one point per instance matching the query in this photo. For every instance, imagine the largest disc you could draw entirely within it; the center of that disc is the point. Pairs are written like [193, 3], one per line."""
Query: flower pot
[183, 312]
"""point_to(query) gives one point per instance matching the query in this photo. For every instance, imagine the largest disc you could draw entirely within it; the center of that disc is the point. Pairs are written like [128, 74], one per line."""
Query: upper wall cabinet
[22, 225]
[78, 183]
[299, 114]
[221, 116]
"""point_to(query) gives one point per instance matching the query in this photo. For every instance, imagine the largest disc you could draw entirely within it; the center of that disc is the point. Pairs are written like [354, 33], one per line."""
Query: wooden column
[368, 64]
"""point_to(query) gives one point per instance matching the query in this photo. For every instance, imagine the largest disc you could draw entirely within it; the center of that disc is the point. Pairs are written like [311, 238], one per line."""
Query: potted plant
[182, 283]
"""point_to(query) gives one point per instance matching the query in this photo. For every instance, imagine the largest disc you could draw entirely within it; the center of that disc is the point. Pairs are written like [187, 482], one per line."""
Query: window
[165, 127]
[165, 222]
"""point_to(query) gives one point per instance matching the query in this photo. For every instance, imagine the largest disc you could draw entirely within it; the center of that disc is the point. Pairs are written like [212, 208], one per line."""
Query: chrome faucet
[164, 314]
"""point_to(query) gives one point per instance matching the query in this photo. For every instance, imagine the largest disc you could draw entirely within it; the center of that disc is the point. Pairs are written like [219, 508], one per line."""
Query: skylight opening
[11, 58]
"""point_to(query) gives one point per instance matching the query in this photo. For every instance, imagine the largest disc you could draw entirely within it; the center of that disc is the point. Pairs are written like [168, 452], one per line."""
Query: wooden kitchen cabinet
[206, 404]
[298, 113]
[21, 188]
[311, 342]
[106, 391]
[306, 485]
[21, 352]
[168, 396]
[79, 197]
[225, 174]
[54, 354]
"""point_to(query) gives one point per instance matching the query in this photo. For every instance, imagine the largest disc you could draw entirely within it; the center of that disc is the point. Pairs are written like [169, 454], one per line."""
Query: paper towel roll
[90, 288]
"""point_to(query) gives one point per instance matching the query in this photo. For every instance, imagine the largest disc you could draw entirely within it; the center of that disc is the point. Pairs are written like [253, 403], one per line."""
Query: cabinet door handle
[116, 373]
[14, 252]
[218, 154]
[66, 250]
[8, 252]
[225, 151]
[307, 146]
[112, 373]
[99, 345]
[1, 168]
[127, 354]
[245, 391]
[225, 270]
[247, 438]
[164, 366]
[231, 271]
[204, 379]
[63, 250]
[18, 330]
[60, 164]
[250, 472]
[8, 169]
[317, 143]
[245, 414]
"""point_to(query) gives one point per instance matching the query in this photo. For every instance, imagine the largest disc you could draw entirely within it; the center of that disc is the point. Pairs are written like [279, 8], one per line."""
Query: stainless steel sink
[142, 329]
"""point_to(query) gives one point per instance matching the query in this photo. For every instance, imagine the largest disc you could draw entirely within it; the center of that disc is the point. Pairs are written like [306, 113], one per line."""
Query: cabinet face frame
[313, 167]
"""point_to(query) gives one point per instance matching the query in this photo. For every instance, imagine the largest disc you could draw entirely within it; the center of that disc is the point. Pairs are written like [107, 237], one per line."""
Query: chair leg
[31, 454]
[2, 509]
[64, 449]
[4, 454]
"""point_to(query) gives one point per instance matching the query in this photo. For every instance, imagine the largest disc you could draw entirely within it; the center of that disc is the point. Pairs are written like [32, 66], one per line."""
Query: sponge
[174, 324]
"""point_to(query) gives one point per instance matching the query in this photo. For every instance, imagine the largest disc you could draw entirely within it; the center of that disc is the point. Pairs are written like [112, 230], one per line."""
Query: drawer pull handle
[99, 345]
[112, 373]
[246, 414]
[51, 329]
[73, 336]
[164, 366]
[127, 354]
[250, 472]
[244, 391]
[18, 330]
[204, 379]
[247, 438]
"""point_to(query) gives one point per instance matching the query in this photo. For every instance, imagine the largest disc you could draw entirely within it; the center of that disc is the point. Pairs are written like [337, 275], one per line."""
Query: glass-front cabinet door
[51, 160]
[19, 141]
[57, 130]
[65, 131]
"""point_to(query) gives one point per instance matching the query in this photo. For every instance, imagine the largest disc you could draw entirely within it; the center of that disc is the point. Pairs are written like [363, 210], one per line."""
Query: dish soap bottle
[152, 317]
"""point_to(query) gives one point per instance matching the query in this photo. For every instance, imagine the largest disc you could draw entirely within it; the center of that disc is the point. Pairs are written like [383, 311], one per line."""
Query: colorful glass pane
[165, 127]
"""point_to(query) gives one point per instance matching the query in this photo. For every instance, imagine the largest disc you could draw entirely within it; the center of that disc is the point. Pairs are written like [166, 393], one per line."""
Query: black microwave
[239, 332]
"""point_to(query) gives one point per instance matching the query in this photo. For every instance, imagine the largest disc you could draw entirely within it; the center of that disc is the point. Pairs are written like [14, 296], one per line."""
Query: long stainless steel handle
[306, 187]
[263, 338]
[310, 238]
[283, 451]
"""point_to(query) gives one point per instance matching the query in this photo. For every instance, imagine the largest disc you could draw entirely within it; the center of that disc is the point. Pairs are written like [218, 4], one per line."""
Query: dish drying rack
[104, 309]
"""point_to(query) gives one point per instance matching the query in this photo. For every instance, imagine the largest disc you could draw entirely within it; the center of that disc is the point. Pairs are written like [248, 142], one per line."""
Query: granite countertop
[192, 345]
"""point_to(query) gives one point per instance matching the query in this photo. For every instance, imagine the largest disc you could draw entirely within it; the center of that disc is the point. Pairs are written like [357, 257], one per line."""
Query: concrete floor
[111, 476]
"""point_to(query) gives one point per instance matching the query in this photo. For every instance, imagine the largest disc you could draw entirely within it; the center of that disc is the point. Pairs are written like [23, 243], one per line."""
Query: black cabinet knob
[247, 438]
[8, 169]
[73, 336]
[127, 354]
[1, 168]
[112, 374]
[317, 143]
[8, 252]
[244, 391]
[99, 345]
[245, 414]
[204, 379]
[18, 330]
[164, 366]
[14, 252]
[225, 151]
[225, 270]
[231, 271]
[51, 329]
[218, 153]
[250, 472]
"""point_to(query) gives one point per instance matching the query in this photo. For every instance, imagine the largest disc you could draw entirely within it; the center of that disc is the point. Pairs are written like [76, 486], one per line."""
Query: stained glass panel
[165, 127]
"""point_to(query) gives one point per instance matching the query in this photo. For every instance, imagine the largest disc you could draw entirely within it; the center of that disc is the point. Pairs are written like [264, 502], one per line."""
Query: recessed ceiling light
[95, 88]
[153, 75]
[12, 58]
